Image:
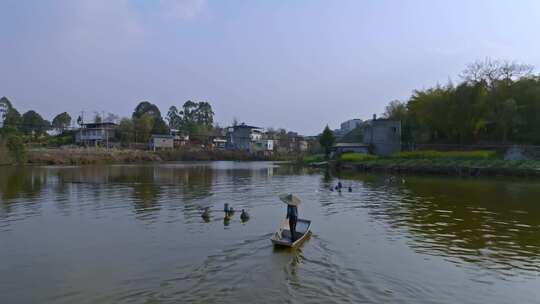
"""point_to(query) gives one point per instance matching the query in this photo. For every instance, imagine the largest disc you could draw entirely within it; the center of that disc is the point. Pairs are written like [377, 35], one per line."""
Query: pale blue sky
[293, 64]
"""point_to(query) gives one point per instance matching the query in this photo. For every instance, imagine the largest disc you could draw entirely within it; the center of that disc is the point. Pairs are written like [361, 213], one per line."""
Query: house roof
[162, 136]
[243, 125]
[99, 125]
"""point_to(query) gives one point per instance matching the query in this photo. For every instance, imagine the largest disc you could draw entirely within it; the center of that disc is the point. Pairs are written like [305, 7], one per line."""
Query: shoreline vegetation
[456, 163]
[90, 156]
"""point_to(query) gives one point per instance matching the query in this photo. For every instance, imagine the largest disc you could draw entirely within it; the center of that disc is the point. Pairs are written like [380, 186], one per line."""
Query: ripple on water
[127, 234]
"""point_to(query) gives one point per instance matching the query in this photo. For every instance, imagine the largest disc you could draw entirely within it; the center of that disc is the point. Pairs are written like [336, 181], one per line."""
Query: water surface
[134, 234]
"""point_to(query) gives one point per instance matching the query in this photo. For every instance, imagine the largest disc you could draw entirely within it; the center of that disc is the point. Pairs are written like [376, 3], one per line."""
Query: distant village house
[241, 137]
[160, 142]
[383, 136]
[96, 134]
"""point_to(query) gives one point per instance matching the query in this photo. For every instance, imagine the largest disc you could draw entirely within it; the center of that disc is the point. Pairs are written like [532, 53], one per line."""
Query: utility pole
[82, 130]
[104, 132]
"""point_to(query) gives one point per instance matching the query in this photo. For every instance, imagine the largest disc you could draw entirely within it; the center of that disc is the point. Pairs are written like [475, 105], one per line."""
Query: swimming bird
[244, 216]
[350, 189]
[206, 214]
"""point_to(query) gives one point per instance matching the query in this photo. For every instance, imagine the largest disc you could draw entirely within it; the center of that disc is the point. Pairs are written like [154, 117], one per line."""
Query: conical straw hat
[290, 199]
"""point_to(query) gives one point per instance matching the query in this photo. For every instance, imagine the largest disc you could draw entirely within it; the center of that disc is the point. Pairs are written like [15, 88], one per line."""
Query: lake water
[134, 234]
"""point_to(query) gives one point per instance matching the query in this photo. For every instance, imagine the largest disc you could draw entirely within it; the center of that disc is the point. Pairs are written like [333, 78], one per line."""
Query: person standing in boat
[292, 212]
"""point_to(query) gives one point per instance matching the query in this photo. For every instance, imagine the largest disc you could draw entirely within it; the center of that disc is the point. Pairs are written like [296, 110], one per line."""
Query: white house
[157, 142]
[4, 108]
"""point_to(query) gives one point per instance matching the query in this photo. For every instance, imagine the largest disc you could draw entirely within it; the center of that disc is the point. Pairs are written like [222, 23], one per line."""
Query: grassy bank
[85, 156]
[193, 155]
[470, 163]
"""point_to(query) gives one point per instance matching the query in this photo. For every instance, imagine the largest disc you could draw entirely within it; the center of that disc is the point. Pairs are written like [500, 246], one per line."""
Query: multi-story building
[94, 134]
[4, 108]
[350, 125]
[242, 136]
[383, 135]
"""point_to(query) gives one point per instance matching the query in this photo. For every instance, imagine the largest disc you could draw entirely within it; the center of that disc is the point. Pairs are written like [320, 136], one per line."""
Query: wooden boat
[282, 237]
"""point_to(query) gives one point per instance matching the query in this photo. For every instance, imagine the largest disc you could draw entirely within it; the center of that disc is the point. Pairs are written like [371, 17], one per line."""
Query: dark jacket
[292, 211]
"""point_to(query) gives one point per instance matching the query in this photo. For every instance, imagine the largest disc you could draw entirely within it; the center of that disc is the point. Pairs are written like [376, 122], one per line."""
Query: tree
[174, 119]
[148, 108]
[61, 121]
[497, 101]
[142, 127]
[12, 120]
[396, 110]
[126, 131]
[33, 123]
[16, 148]
[327, 140]
[159, 127]
[204, 114]
[195, 118]
[145, 108]
[490, 71]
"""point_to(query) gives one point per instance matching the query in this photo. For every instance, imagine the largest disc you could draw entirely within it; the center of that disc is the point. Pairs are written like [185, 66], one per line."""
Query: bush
[429, 154]
[357, 157]
[16, 148]
[314, 158]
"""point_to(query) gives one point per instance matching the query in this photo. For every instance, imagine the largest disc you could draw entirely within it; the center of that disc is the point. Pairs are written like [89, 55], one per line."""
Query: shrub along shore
[87, 156]
[470, 163]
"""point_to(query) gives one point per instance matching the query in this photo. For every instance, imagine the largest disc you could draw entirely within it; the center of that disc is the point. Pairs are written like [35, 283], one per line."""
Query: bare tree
[489, 71]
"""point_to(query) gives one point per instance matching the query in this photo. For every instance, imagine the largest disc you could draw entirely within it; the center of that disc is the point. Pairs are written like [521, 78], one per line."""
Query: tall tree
[13, 119]
[148, 108]
[195, 118]
[126, 131]
[145, 108]
[327, 140]
[497, 102]
[396, 110]
[33, 123]
[204, 114]
[174, 119]
[61, 121]
[142, 127]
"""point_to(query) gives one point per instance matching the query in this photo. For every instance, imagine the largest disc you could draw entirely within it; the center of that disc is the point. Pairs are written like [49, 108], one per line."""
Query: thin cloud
[181, 9]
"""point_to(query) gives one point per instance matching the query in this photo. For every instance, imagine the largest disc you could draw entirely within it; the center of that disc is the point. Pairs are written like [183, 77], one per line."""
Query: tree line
[194, 119]
[495, 102]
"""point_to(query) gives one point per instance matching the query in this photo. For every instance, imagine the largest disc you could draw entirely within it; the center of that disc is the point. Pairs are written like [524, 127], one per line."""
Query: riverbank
[445, 167]
[86, 156]
[476, 163]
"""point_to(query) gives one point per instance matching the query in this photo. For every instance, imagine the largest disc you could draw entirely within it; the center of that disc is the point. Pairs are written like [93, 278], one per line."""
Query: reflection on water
[493, 223]
[134, 233]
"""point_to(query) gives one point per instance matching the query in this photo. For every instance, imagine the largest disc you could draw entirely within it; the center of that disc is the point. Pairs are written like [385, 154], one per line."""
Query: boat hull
[282, 237]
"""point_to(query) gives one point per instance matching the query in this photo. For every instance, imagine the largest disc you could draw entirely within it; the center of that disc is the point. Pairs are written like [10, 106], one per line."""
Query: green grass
[428, 154]
[357, 157]
[314, 158]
